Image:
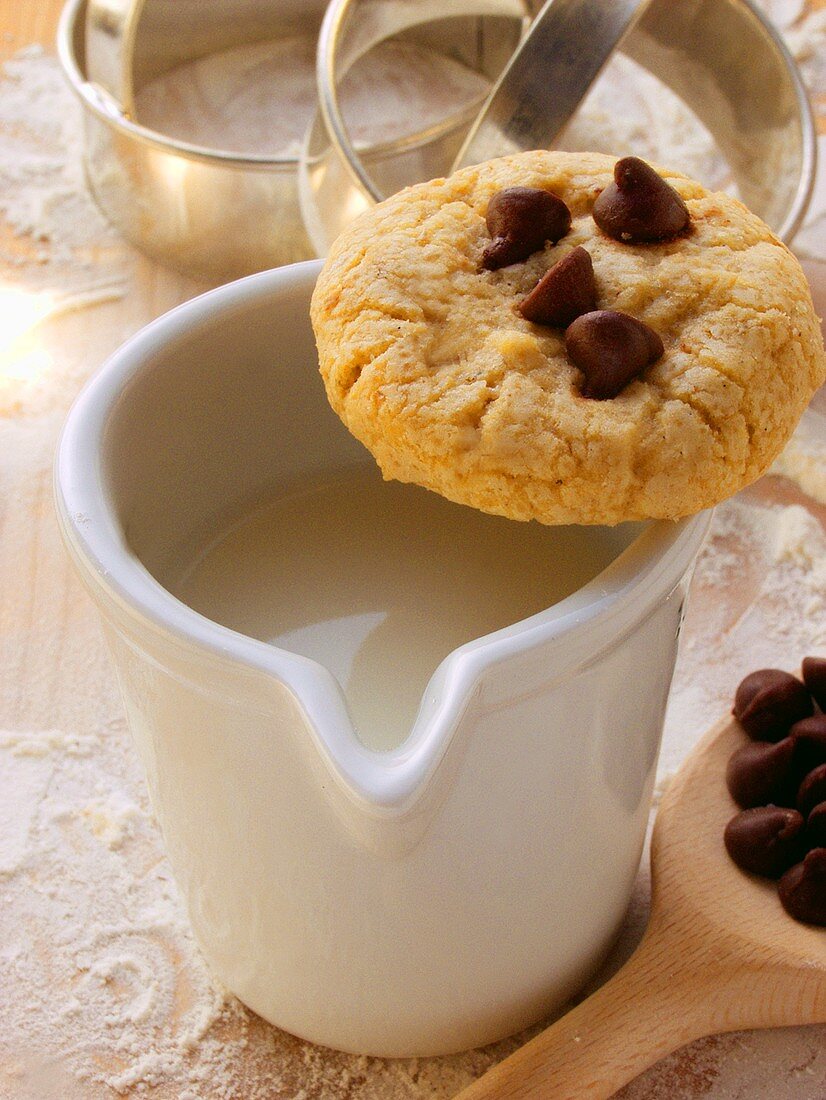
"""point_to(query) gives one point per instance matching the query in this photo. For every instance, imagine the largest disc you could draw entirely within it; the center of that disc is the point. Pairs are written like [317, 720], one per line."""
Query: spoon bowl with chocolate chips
[722, 951]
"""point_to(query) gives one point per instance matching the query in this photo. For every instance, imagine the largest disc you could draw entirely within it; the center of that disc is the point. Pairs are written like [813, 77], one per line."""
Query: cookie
[429, 361]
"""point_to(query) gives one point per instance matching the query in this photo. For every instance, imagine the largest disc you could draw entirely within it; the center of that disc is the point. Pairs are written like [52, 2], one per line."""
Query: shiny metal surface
[128, 43]
[207, 212]
[210, 214]
[110, 28]
[568, 44]
[732, 68]
[335, 188]
[353, 27]
[720, 56]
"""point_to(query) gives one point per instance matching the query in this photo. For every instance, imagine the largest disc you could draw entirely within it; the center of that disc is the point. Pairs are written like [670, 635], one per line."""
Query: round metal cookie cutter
[721, 57]
[208, 212]
[130, 42]
[331, 195]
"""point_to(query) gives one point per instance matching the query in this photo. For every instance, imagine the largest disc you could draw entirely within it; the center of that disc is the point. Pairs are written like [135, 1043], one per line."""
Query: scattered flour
[803, 460]
[104, 991]
[261, 98]
[758, 599]
[671, 135]
[43, 198]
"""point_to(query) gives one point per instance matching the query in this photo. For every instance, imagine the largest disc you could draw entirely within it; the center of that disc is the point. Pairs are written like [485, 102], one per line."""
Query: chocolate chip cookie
[567, 338]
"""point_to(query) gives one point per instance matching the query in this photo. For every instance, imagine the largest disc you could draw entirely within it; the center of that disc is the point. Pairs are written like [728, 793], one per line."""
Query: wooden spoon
[720, 954]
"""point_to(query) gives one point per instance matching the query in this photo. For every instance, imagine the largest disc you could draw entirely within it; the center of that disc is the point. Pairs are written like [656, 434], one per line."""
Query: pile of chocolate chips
[779, 779]
[639, 207]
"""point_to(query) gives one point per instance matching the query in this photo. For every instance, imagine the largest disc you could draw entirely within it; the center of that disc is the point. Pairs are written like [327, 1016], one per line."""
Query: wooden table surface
[55, 674]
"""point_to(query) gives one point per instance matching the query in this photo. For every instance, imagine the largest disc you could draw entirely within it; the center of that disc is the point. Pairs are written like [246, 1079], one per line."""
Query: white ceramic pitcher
[417, 901]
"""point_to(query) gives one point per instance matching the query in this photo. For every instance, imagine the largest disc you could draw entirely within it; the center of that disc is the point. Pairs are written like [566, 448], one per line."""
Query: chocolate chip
[565, 291]
[762, 772]
[814, 677]
[802, 889]
[812, 790]
[816, 827]
[521, 220]
[768, 702]
[765, 840]
[610, 349]
[809, 735]
[639, 205]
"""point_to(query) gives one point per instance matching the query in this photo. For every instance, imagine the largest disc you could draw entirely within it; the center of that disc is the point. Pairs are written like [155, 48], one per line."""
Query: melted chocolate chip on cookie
[564, 292]
[639, 206]
[610, 348]
[521, 220]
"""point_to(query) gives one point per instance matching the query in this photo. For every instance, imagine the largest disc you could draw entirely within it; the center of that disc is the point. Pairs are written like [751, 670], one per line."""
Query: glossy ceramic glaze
[416, 901]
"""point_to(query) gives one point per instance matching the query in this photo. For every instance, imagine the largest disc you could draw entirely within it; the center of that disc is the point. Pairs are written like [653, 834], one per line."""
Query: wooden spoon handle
[649, 1008]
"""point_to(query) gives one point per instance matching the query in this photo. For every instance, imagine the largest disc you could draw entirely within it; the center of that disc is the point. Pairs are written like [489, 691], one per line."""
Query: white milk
[380, 581]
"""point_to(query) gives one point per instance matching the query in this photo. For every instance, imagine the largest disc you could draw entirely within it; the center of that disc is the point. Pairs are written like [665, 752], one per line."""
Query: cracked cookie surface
[428, 362]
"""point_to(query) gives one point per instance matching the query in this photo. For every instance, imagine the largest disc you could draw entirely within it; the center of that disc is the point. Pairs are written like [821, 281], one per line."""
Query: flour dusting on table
[43, 198]
[261, 98]
[104, 991]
